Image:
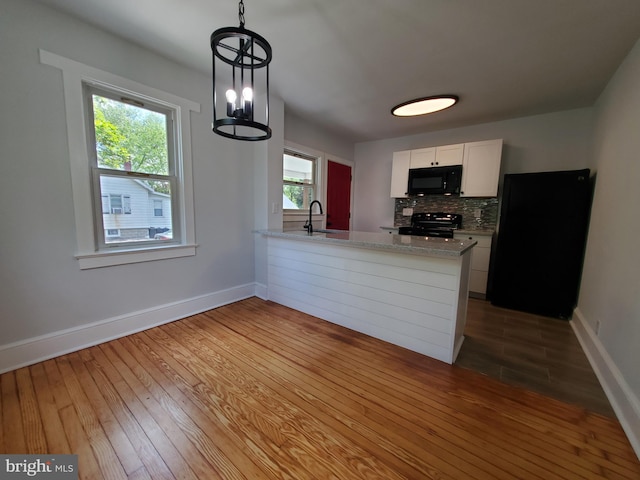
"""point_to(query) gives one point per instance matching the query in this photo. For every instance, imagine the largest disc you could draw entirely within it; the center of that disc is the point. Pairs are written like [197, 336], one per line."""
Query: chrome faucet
[308, 225]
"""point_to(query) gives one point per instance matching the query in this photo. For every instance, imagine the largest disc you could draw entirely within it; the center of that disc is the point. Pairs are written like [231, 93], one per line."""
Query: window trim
[74, 76]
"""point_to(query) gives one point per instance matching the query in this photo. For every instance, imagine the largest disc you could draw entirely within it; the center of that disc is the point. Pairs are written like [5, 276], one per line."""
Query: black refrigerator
[537, 261]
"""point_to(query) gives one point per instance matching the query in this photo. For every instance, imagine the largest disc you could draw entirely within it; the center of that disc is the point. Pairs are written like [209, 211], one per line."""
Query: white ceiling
[345, 63]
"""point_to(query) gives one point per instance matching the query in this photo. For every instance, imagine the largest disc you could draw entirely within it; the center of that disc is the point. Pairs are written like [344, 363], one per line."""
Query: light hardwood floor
[254, 390]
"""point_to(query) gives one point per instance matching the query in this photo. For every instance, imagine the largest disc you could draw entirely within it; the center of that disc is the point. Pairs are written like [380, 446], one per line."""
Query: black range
[433, 224]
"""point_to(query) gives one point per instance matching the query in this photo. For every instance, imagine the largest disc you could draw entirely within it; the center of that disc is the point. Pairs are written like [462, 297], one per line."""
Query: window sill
[123, 257]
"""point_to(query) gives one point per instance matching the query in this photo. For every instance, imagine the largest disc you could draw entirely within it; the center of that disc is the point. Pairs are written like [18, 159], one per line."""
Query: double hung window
[133, 163]
[299, 180]
[131, 167]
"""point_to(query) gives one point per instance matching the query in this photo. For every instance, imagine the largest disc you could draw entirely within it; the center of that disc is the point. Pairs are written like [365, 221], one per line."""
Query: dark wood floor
[531, 351]
[255, 390]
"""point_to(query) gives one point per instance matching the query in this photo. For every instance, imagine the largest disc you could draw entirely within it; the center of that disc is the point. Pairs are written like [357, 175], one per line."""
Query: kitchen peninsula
[406, 290]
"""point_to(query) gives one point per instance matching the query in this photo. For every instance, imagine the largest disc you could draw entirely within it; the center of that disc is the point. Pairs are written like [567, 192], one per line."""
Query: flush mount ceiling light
[423, 106]
[240, 67]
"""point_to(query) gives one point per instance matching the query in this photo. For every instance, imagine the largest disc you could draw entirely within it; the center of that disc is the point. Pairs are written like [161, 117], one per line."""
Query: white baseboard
[27, 352]
[624, 402]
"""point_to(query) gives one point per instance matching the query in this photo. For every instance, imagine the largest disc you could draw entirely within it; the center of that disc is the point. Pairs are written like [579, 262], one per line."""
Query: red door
[338, 195]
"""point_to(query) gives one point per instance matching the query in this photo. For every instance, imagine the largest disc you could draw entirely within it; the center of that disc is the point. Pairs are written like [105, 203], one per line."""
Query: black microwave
[435, 180]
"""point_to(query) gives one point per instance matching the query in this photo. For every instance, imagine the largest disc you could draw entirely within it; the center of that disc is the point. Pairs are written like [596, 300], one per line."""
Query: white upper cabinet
[437, 156]
[449, 155]
[400, 173]
[481, 169]
[480, 166]
[423, 158]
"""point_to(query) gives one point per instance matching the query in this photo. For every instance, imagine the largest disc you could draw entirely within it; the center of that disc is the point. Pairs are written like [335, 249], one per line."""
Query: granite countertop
[441, 247]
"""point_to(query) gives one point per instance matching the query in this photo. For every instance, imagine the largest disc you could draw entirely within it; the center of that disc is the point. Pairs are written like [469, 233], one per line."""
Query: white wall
[610, 291]
[303, 132]
[43, 290]
[556, 141]
[268, 191]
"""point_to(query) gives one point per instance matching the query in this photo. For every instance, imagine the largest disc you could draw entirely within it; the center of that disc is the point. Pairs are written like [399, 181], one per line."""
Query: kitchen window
[130, 151]
[299, 185]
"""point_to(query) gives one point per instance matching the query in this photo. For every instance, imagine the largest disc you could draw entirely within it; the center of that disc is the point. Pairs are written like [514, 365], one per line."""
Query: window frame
[75, 77]
[98, 172]
[316, 159]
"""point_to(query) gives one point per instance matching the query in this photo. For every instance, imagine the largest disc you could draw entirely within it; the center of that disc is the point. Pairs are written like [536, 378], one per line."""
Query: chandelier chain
[241, 13]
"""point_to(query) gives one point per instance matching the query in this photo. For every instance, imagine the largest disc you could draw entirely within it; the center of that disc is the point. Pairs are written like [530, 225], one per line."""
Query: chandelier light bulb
[247, 94]
[231, 96]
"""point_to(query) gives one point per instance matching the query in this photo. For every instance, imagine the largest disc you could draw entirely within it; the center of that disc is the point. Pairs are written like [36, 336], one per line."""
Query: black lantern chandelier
[244, 113]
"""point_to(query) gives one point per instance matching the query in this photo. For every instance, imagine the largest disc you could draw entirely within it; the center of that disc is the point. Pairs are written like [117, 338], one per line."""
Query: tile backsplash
[467, 207]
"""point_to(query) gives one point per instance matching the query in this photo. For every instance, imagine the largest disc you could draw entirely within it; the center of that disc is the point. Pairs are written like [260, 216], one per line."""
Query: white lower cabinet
[479, 262]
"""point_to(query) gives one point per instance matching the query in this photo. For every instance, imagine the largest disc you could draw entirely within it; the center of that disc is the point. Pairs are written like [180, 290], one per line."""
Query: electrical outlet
[407, 212]
[597, 327]
[477, 213]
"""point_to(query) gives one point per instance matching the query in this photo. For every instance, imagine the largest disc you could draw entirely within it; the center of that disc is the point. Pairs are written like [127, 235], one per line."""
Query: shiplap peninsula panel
[415, 301]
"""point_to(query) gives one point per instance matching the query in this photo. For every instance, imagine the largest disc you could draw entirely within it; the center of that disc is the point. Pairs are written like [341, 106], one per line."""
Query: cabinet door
[423, 158]
[481, 169]
[400, 173]
[449, 155]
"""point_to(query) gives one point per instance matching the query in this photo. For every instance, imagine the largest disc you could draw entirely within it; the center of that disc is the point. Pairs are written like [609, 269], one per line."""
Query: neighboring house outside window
[133, 214]
[134, 143]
